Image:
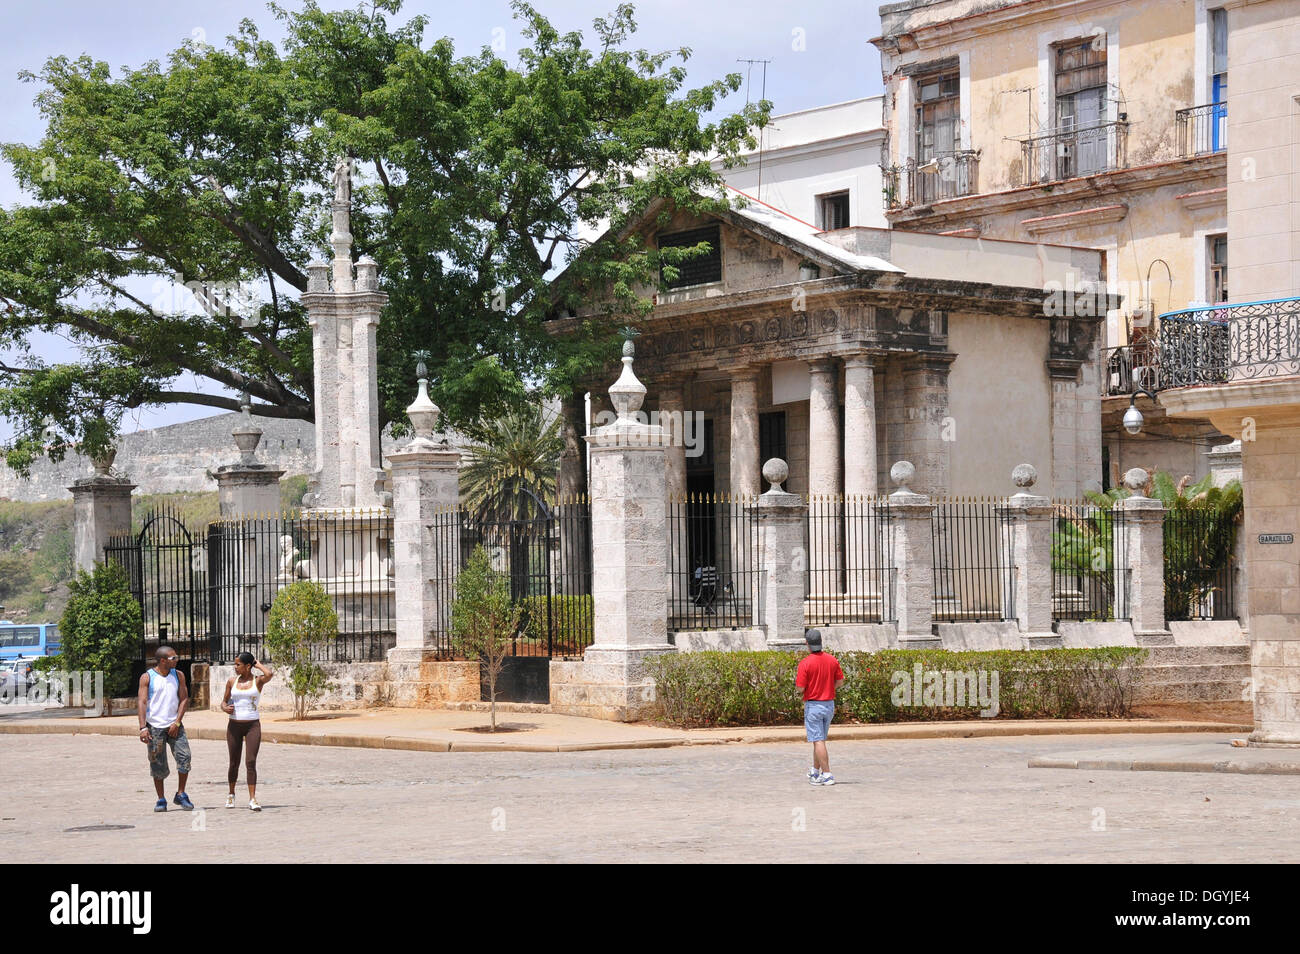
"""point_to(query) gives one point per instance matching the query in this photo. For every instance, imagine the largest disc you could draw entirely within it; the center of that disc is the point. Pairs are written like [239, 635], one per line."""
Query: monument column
[744, 433]
[860, 544]
[101, 507]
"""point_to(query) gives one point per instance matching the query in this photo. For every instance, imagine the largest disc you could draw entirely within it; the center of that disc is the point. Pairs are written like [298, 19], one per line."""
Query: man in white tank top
[161, 704]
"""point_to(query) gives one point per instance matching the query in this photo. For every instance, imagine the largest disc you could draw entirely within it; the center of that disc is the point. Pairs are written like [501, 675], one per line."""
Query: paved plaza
[942, 800]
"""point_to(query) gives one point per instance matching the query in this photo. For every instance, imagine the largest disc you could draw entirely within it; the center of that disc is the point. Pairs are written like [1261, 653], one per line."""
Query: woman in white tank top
[242, 703]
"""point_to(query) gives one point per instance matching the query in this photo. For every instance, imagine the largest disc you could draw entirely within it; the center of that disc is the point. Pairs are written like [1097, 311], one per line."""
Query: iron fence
[971, 563]
[849, 578]
[1223, 343]
[1072, 151]
[546, 557]
[1132, 367]
[349, 555]
[1088, 583]
[944, 177]
[1202, 129]
[712, 567]
[1199, 566]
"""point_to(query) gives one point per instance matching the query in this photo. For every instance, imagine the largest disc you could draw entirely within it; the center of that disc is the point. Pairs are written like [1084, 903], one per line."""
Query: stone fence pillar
[1140, 561]
[426, 533]
[101, 508]
[911, 554]
[782, 560]
[247, 488]
[1027, 533]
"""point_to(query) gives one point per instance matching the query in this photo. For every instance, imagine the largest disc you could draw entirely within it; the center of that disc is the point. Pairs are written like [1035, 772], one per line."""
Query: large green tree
[476, 180]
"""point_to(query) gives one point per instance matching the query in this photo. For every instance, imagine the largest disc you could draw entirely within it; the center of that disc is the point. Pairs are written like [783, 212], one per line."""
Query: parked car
[15, 673]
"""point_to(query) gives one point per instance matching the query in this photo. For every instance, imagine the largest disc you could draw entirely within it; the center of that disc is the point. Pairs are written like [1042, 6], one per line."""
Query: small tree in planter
[302, 618]
[102, 627]
[484, 619]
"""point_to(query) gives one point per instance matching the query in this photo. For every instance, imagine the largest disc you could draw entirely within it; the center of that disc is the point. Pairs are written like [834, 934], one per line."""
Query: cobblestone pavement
[945, 800]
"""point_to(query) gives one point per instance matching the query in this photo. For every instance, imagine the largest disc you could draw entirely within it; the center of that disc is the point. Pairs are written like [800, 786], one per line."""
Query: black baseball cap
[813, 638]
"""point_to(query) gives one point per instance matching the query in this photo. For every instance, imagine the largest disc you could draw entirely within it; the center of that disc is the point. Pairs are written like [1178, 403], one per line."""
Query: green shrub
[571, 625]
[301, 624]
[757, 688]
[102, 627]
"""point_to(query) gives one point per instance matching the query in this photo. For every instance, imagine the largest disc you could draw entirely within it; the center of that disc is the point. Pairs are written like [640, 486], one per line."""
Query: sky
[819, 53]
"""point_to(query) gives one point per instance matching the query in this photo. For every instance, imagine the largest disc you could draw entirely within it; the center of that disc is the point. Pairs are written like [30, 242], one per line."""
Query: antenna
[762, 95]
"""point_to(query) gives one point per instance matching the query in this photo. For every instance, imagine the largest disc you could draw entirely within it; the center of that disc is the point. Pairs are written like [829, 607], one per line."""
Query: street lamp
[1133, 417]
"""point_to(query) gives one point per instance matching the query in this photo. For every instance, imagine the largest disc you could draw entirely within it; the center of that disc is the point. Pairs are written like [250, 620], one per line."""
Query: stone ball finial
[1135, 481]
[629, 348]
[902, 474]
[1024, 476]
[775, 472]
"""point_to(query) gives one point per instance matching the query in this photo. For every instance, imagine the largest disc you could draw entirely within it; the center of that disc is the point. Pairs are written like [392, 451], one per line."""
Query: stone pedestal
[101, 508]
[911, 554]
[1027, 526]
[246, 490]
[781, 560]
[1140, 562]
[629, 565]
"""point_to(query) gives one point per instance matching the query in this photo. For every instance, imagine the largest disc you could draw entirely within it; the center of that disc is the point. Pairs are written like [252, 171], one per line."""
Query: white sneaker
[826, 778]
[813, 773]
[230, 801]
[252, 804]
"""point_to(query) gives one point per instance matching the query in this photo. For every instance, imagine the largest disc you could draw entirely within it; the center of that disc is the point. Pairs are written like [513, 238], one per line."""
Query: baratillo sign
[1277, 538]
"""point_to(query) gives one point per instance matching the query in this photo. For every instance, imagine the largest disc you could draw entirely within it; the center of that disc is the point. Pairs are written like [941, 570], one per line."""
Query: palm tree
[512, 465]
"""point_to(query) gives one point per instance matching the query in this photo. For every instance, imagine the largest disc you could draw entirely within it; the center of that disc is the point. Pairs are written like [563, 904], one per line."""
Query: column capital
[931, 361]
[864, 359]
[822, 365]
[745, 372]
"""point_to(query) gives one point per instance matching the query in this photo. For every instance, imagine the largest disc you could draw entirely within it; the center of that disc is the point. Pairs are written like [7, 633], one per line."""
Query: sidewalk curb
[1168, 765]
[792, 734]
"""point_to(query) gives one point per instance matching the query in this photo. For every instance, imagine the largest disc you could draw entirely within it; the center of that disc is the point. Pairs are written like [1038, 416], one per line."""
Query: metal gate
[168, 576]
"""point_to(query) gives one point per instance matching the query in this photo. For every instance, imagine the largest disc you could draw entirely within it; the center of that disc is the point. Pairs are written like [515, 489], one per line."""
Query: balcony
[945, 177]
[1202, 130]
[1075, 151]
[1224, 344]
[1131, 367]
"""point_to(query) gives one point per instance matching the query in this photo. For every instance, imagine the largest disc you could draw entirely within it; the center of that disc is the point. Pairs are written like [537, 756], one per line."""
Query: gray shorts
[817, 715]
[158, 742]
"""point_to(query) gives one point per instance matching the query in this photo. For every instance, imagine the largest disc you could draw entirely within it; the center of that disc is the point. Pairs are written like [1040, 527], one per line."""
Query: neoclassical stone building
[844, 351]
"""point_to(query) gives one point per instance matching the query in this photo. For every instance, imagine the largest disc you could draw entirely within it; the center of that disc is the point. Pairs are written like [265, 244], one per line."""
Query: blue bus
[36, 639]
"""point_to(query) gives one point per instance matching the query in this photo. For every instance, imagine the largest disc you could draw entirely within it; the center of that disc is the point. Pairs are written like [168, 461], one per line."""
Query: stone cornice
[1117, 182]
[965, 28]
[1099, 215]
[1205, 198]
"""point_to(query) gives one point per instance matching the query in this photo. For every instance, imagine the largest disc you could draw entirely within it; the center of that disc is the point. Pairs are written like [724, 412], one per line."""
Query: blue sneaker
[826, 778]
[160, 805]
[183, 801]
[813, 775]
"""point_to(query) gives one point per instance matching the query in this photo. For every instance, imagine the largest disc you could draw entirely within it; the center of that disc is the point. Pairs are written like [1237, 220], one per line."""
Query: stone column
[321, 315]
[925, 434]
[824, 474]
[101, 507]
[426, 533]
[1140, 561]
[571, 488]
[671, 411]
[744, 433]
[859, 471]
[367, 303]
[629, 566]
[1027, 525]
[781, 519]
[911, 555]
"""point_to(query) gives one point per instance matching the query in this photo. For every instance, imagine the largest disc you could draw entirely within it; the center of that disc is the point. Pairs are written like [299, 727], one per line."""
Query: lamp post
[1133, 417]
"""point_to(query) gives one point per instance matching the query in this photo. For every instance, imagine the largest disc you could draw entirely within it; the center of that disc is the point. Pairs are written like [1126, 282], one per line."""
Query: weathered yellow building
[1091, 123]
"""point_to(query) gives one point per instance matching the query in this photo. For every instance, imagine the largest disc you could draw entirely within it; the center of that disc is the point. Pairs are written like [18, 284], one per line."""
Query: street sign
[1277, 538]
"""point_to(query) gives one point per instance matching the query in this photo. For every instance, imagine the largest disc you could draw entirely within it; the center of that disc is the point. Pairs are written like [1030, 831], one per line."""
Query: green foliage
[571, 625]
[484, 619]
[512, 465]
[51, 664]
[301, 625]
[102, 628]
[476, 180]
[757, 688]
[15, 574]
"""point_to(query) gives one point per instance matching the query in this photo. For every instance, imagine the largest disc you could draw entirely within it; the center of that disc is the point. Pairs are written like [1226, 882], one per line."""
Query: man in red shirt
[819, 676]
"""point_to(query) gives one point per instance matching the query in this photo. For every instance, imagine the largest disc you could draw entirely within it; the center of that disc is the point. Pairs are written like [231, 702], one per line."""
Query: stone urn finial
[1135, 481]
[1024, 476]
[627, 393]
[246, 436]
[775, 472]
[103, 463]
[902, 474]
[422, 412]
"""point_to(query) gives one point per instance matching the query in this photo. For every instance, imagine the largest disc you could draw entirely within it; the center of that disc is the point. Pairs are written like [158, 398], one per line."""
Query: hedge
[757, 688]
[570, 621]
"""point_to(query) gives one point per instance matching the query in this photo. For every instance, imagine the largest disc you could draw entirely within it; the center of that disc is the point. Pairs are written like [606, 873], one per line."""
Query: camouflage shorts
[158, 742]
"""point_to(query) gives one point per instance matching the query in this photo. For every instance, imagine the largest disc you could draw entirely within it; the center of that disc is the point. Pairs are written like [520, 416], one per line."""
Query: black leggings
[237, 733]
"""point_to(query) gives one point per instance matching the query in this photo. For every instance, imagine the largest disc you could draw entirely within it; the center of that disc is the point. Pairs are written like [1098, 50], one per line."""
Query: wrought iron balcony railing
[1202, 129]
[922, 183]
[1220, 344]
[1075, 151]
